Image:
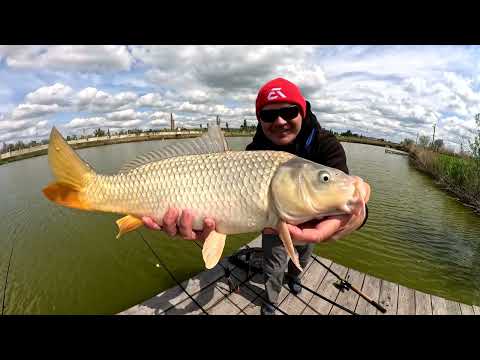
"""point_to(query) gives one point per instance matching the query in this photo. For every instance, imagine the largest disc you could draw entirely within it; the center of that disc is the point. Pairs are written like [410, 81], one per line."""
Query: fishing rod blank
[345, 284]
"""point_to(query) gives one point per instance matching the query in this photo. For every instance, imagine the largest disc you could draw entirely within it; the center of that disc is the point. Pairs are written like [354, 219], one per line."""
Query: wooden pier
[208, 292]
[396, 152]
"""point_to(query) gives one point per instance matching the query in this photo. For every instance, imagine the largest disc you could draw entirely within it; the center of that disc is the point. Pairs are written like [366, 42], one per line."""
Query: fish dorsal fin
[211, 142]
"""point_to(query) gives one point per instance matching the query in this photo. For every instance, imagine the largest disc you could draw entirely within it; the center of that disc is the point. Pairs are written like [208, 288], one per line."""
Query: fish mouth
[356, 201]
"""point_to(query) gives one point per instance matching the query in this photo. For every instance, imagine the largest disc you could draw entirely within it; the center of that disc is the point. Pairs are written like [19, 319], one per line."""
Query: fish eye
[325, 177]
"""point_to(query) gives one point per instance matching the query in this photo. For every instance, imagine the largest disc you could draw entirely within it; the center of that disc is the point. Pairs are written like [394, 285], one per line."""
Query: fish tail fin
[71, 173]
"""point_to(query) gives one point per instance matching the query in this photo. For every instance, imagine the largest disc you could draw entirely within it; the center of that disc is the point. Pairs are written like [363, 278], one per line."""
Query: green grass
[461, 175]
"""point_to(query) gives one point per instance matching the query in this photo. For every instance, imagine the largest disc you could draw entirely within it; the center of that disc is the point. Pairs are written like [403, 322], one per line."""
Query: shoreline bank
[88, 144]
[104, 142]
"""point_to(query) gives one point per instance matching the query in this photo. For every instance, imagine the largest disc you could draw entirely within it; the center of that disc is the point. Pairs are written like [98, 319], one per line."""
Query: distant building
[172, 122]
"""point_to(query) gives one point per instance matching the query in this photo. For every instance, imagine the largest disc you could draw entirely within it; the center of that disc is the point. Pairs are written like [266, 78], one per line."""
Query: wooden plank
[328, 290]
[467, 309]
[175, 295]
[205, 278]
[224, 307]
[406, 301]
[423, 303]
[312, 279]
[281, 297]
[186, 307]
[371, 288]
[206, 298]
[159, 303]
[442, 306]
[242, 297]
[256, 283]
[349, 298]
[453, 308]
[209, 297]
[388, 297]
[439, 306]
[254, 307]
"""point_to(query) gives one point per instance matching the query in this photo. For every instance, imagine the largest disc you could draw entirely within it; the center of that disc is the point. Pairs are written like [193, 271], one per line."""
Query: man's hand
[184, 228]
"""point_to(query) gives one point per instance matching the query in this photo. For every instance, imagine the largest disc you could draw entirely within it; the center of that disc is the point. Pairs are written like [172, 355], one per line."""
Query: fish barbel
[243, 191]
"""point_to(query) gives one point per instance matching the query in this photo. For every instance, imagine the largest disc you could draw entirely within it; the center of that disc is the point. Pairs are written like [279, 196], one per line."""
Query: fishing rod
[252, 270]
[233, 288]
[6, 280]
[345, 285]
[319, 295]
[171, 275]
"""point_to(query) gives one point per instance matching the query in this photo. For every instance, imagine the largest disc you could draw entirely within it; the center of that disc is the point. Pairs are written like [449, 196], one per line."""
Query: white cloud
[10, 125]
[95, 122]
[384, 91]
[49, 95]
[92, 99]
[26, 130]
[85, 122]
[462, 87]
[160, 114]
[124, 115]
[159, 122]
[94, 58]
[24, 111]
[152, 100]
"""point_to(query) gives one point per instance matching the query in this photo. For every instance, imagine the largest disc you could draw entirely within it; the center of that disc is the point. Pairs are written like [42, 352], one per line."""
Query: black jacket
[312, 143]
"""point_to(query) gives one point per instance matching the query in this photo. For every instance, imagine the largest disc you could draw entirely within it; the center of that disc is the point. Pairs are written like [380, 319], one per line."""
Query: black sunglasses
[286, 113]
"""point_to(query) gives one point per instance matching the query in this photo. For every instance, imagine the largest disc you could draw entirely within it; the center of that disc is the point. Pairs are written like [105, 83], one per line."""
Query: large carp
[243, 191]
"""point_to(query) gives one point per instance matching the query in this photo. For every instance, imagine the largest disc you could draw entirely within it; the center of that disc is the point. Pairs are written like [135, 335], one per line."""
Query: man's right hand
[184, 227]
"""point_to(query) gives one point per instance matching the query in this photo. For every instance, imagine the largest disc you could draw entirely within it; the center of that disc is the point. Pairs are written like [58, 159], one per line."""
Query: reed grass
[459, 174]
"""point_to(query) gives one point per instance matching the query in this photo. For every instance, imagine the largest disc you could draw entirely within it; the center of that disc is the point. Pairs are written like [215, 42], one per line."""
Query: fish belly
[230, 187]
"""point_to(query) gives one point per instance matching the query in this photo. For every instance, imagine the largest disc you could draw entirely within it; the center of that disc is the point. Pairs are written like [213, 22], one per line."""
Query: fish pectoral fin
[213, 248]
[284, 235]
[128, 223]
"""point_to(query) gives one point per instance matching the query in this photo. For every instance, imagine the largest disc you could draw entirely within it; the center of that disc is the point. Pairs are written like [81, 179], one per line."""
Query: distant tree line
[425, 141]
[349, 133]
[19, 145]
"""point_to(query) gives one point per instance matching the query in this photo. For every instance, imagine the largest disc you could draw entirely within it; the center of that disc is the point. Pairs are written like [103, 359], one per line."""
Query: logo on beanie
[275, 93]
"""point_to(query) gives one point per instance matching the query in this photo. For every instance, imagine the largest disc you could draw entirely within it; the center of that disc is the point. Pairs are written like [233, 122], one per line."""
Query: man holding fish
[286, 123]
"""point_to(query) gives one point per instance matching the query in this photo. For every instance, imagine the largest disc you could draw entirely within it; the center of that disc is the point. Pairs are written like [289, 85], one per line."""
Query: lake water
[67, 261]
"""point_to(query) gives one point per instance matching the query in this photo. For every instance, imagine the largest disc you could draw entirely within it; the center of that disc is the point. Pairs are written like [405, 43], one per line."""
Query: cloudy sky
[390, 92]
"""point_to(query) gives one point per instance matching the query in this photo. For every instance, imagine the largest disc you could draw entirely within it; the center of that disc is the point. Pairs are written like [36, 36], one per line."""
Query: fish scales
[231, 187]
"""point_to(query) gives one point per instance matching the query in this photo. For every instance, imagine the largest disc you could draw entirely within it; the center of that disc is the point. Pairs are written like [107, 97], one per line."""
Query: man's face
[281, 131]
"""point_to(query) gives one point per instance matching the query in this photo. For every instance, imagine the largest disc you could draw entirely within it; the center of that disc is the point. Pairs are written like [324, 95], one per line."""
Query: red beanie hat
[280, 90]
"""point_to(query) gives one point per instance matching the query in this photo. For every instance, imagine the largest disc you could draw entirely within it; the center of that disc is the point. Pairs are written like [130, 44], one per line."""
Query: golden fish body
[243, 191]
[231, 187]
